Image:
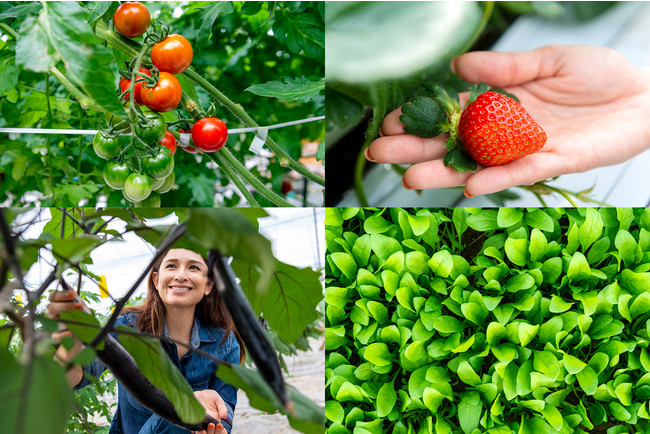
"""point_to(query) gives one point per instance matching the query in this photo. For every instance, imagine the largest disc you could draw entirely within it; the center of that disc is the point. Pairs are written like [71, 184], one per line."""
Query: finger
[391, 124]
[525, 171]
[507, 69]
[66, 295]
[433, 174]
[221, 430]
[58, 336]
[55, 308]
[406, 149]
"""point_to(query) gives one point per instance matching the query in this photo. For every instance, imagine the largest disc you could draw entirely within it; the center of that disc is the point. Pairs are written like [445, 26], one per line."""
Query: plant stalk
[252, 180]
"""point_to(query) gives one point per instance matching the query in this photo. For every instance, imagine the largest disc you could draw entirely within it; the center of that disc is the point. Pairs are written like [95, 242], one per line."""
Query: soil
[306, 373]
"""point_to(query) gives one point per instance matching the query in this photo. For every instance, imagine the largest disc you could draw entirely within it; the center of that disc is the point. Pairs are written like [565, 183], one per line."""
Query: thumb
[507, 69]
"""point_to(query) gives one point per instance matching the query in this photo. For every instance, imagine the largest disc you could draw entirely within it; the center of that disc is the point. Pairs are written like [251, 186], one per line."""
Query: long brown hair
[211, 309]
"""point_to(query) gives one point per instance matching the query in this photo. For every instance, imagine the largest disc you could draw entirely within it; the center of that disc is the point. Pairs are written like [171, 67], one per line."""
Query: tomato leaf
[289, 89]
[61, 32]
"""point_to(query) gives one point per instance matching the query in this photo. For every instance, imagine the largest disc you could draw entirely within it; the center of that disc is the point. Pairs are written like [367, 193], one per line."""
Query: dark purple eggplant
[257, 342]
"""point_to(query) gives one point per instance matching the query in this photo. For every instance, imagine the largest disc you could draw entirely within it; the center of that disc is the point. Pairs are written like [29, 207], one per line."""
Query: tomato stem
[232, 174]
[252, 179]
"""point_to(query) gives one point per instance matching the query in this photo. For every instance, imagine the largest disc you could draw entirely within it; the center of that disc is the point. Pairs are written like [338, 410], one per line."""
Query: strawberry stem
[542, 188]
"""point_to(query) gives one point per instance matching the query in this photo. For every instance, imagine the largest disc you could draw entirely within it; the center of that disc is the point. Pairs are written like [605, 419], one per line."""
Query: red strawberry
[496, 130]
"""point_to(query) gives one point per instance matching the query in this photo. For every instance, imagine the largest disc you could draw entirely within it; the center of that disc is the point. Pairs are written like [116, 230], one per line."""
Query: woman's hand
[63, 301]
[215, 406]
[591, 102]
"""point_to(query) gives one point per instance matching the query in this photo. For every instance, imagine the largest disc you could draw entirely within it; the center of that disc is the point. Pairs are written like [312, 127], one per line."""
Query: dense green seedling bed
[486, 320]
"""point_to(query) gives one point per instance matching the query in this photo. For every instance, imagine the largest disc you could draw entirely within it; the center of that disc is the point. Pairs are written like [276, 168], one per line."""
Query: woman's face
[182, 279]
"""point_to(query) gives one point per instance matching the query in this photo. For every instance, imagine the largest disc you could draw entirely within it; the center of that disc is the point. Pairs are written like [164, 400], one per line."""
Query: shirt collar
[196, 335]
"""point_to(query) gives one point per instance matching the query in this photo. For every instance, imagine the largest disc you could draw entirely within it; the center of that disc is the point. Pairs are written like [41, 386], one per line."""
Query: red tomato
[209, 134]
[169, 141]
[165, 96]
[173, 54]
[132, 19]
[125, 83]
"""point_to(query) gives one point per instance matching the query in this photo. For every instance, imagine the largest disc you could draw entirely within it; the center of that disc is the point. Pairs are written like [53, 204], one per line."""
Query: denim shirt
[199, 372]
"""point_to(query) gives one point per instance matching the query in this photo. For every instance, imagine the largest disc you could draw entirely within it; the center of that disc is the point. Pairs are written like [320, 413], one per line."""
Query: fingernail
[211, 425]
[77, 306]
[69, 295]
[453, 65]
[467, 195]
[368, 155]
[219, 426]
[405, 185]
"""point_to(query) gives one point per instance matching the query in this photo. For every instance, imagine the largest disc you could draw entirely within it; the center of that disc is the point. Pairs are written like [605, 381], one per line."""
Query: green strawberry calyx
[429, 117]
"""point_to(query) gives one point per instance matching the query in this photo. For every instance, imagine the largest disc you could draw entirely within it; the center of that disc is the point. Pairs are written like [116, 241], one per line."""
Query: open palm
[591, 101]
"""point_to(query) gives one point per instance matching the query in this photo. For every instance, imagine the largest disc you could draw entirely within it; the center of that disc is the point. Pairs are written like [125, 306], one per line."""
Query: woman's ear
[209, 287]
[154, 278]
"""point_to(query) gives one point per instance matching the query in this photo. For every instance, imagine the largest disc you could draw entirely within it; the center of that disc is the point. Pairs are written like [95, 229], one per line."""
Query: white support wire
[89, 132]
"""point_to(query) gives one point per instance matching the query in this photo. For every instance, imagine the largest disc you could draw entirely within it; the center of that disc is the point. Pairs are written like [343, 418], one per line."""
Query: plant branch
[144, 335]
[487, 13]
[234, 177]
[252, 179]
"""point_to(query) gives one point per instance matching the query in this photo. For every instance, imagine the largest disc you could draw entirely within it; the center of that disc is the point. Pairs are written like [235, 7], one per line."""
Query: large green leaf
[305, 416]
[370, 41]
[301, 32]
[290, 303]
[35, 398]
[155, 364]
[61, 32]
[289, 89]
[207, 21]
[75, 250]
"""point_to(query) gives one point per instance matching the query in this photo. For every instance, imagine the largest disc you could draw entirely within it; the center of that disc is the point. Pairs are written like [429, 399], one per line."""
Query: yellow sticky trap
[103, 287]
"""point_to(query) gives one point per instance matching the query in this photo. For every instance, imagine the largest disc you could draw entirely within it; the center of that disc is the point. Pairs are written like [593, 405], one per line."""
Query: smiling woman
[182, 307]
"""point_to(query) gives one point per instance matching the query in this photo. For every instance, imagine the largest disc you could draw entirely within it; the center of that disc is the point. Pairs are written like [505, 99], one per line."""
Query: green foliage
[481, 320]
[234, 49]
[22, 393]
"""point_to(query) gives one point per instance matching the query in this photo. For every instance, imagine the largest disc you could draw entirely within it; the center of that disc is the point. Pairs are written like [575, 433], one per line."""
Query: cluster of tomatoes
[126, 169]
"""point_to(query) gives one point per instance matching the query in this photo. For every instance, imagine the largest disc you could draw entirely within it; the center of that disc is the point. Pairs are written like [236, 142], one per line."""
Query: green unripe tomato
[115, 174]
[153, 201]
[153, 130]
[106, 146]
[160, 165]
[168, 183]
[137, 187]
[157, 183]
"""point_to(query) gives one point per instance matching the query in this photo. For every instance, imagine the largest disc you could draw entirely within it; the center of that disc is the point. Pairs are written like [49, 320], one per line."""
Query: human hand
[63, 301]
[591, 102]
[215, 406]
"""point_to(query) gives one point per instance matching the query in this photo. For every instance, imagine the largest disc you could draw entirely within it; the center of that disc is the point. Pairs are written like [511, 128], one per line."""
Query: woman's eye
[170, 266]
